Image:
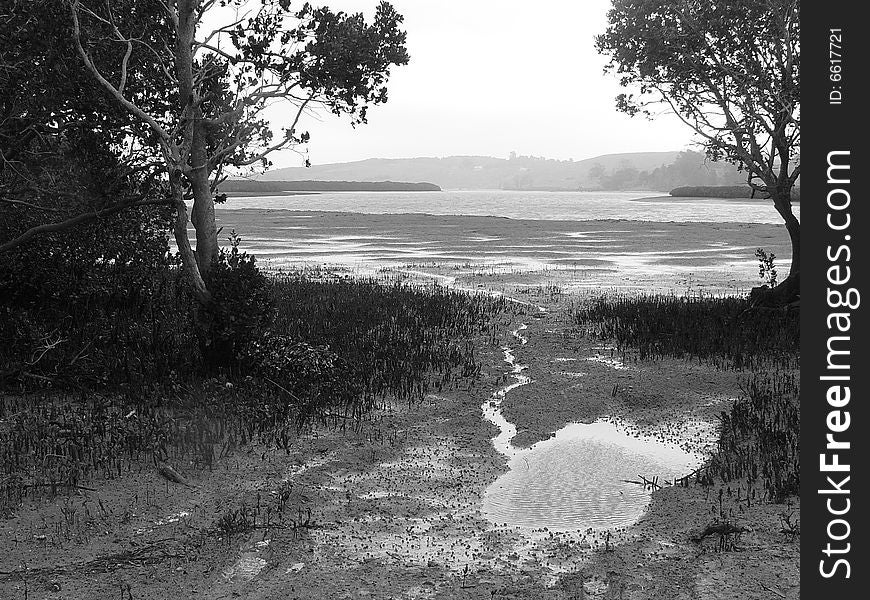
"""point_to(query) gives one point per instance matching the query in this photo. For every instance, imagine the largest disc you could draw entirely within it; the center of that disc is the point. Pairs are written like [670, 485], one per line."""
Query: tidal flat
[403, 502]
[498, 252]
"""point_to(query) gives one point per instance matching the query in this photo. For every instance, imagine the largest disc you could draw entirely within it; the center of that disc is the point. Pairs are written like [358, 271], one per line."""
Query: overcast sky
[488, 77]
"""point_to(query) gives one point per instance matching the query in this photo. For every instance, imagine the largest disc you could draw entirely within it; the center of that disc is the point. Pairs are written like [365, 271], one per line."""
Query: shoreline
[264, 194]
[656, 557]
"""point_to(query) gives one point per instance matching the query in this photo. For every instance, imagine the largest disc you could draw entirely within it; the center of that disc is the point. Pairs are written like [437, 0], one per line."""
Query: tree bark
[788, 291]
[196, 159]
[793, 226]
[202, 216]
[188, 259]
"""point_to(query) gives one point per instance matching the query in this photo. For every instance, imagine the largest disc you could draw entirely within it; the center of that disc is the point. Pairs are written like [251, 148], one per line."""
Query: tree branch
[28, 204]
[119, 96]
[78, 219]
[288, 138]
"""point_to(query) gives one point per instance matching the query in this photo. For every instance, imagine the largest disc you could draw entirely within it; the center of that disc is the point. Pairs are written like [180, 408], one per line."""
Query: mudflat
[393, 506]
[494, 252]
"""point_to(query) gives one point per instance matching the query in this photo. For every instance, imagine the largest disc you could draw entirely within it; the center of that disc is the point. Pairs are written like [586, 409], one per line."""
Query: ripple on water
[575, 480]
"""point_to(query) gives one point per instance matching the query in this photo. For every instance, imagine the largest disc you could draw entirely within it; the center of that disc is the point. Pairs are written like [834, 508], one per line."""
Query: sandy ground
[393, 509]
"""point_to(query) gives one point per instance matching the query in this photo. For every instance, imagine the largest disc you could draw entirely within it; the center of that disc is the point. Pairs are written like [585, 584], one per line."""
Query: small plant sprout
[766, 266]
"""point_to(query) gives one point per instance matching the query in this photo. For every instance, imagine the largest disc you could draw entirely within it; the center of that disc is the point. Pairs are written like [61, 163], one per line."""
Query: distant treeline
[689, 168]
[241, 186]
[723, 191]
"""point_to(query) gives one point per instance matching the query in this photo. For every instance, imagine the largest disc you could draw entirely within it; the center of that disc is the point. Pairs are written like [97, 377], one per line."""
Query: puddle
[613, 363]
[246, 568]
[576, 479]
[249, 563]
[581, 477]
[601, 356]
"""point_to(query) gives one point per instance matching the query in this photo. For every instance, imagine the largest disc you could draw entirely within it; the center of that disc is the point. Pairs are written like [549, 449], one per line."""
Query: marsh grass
[392, 340]
[353, 345]
[111, 328]
[722, 331]
[759, 437]
[759, 434]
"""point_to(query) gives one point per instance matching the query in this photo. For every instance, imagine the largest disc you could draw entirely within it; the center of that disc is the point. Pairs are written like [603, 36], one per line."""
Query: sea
[568, 206]
[628, 240]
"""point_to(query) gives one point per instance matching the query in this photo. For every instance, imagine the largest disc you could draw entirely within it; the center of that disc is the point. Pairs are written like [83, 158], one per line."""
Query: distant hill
[481, 172]
[246, 186]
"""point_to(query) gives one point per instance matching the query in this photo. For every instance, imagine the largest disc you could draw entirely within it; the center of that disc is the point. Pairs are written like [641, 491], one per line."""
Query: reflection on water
[577, 479]
[581, 477]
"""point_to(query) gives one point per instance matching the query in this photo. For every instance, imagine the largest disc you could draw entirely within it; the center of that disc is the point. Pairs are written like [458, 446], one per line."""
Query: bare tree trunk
[202, 216]
[788, 290]
[794, 232]
[188, 259]
[782, 203]
[196, 165]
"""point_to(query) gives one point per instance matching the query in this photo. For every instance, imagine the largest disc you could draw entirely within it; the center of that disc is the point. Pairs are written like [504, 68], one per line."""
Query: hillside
[481, 172]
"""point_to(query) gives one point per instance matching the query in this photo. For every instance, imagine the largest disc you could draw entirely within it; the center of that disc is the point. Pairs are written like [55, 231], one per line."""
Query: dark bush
[240, 309]
[95, 305]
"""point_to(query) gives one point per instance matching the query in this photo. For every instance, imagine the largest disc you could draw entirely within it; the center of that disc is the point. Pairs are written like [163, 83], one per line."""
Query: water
[492, 408]
[570, 206]
[581, 477]
[588, 239]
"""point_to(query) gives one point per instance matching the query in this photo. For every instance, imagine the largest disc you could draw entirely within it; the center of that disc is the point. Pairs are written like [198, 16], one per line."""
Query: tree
[48, 104]
[728, 70]
[597, 173]
[219, 79]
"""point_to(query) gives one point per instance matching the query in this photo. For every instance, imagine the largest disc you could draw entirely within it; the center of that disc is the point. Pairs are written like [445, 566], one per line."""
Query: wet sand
[497, 252]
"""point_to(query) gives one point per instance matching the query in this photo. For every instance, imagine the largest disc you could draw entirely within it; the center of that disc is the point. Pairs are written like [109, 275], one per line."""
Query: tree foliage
[178, 92]
[114, 116]
[728, 70]
[224, 62]
[65, 159]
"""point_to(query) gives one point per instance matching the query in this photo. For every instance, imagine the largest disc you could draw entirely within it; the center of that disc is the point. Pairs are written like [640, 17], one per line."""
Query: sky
[489, 77]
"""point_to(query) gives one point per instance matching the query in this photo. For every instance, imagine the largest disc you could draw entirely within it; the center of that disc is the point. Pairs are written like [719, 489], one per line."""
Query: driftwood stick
[777, 592]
